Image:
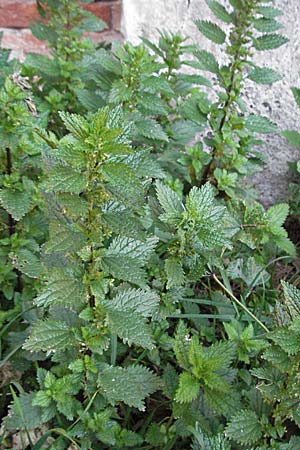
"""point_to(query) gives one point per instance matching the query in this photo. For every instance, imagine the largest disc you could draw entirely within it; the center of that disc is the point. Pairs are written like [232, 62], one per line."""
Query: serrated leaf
[292, 298]
[175, 273]
[131, 327]
[207, 61]
[129, 385]
[183, 131]
[91, 101]
[64, 239]
[244, 428]
[269, 42]
[219, 11]
[75, 123]
[41, 63]
[260, 124]
[65, 179]
[22, 415]
[144, 164]
[50, 336]
[264, 75]
[139, 250]
[194, 79]
[156, 84]
[285, 244]
[27, 262]
[16, 203]
[188, 388]
[151, 104]
[266, 25]
[288, 340]
[293, 137]
[62, 289]
[170, 202]
[296, 94]
[125, 258]
[212, 31]
[151, 129]
[268, 11]
[181, 345]
[123, 183]
[138, 300]
[277, 214]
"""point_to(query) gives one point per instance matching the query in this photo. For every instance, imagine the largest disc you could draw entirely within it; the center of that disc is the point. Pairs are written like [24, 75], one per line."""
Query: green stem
[241, 305]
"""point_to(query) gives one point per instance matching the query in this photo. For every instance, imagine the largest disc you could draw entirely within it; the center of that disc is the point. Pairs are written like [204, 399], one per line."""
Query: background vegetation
[148, 300]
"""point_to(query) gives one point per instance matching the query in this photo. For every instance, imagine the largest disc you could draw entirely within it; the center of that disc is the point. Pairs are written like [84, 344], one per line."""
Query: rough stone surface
[142, 17]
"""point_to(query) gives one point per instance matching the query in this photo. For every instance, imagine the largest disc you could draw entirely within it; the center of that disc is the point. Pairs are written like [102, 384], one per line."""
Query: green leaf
[156, 84]
[44, 65]
[244, 428]
[293, 137]
[194, 79]
[170, 202]
[268, 11]
[277, 214]
[76, 124]
[125, 258]
[123, 183]
[50, 336]
[207, 61]
[22, 415]
[65, 179]
[260, 124]
[62, 289]
[27, 262]
[269, 42]
[151, 129]
[181, 345]
[264, 75]
[91, 101]
[266, 25]
[129, 385]
[288, 340]
[296, 94]
[219, 11]
[291, 298]
[131, 327]
[285, 244]
[151, 104]
[212, 31]
[175, 273]
[138, 300]
[16, 203]
[188, 388]
[64, 238]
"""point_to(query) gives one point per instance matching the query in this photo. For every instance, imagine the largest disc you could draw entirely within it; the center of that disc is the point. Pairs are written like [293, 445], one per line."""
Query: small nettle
[139, 276]
[57, 80]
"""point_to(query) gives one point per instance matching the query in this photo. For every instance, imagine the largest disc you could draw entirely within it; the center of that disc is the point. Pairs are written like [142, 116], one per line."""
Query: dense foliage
[148, 299]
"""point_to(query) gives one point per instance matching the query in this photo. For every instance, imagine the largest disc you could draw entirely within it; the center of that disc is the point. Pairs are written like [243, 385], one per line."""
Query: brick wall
[16, 15]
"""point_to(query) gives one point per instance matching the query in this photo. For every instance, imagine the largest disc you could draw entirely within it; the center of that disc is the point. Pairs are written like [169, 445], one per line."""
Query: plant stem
[233, 297]
[11, 223]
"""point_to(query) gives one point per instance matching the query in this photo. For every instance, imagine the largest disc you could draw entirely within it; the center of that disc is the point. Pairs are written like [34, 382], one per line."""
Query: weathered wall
[144, 17]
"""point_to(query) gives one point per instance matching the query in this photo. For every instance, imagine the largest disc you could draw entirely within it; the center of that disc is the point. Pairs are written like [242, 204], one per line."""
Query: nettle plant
[232, 143]
[96, 286]
[57, 80]
[23, 228]
[154, 299]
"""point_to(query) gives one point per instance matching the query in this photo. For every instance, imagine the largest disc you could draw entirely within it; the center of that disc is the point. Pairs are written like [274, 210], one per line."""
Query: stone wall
[145, 17]
[16, 16]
